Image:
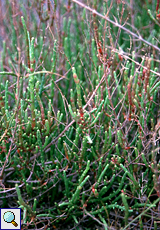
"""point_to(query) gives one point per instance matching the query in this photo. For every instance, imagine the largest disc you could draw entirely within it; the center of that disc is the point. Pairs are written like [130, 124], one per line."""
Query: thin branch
[116, 24]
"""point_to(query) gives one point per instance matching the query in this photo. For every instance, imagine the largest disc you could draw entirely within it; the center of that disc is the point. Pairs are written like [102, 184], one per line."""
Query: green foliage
[79, 113]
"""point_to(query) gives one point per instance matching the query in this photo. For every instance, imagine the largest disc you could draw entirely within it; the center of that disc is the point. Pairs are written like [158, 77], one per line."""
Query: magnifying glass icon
[9, 217]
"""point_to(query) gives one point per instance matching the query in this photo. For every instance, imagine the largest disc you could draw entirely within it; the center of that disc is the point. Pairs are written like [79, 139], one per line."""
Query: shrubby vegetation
[79, 113]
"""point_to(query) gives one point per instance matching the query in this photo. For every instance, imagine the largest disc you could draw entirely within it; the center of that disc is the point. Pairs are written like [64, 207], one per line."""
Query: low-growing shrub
[80, 113]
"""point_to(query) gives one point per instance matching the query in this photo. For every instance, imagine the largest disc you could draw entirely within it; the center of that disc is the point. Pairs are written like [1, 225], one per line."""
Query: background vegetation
[79, 113]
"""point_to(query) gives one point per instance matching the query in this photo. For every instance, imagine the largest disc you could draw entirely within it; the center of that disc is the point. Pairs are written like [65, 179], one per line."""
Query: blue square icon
[10, 219]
